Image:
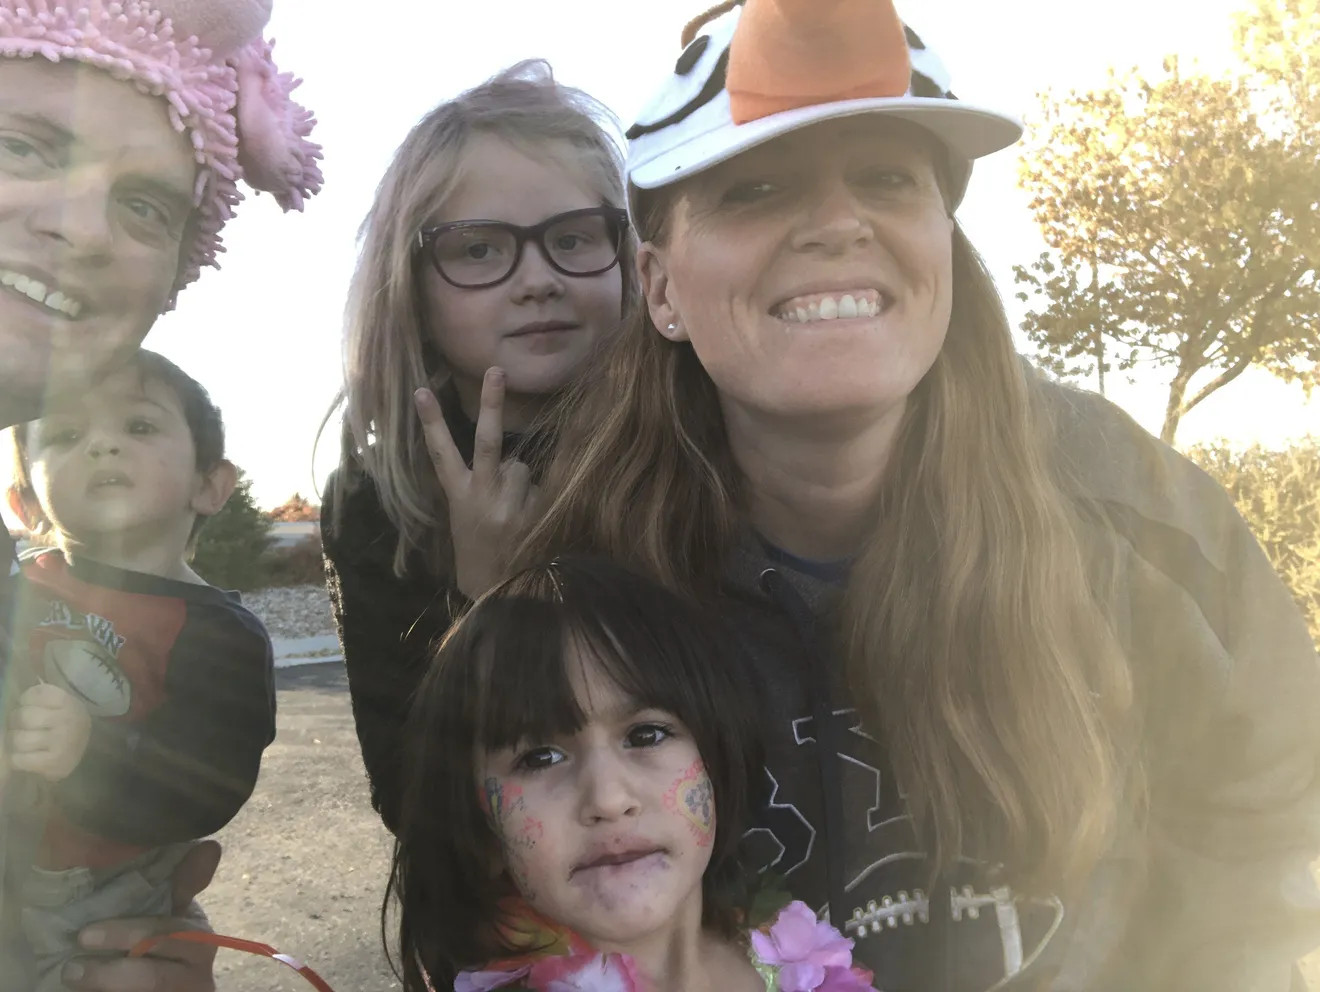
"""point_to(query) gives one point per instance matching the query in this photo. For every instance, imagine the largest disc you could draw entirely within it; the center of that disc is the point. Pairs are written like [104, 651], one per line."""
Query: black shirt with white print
[834, 829]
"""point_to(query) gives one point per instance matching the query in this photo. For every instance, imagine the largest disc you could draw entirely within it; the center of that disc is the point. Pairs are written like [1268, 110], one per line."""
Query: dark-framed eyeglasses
[473, 254]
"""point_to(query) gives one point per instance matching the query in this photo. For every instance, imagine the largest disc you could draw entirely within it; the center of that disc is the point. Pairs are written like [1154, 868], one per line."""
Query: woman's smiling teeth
[831, 306]
[39, 292]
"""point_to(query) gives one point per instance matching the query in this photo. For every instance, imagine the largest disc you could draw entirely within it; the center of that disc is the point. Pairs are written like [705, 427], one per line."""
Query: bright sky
[263, 333]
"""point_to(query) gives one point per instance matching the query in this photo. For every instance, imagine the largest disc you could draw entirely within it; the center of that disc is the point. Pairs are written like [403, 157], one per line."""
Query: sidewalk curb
[291, 652]
[298, 662]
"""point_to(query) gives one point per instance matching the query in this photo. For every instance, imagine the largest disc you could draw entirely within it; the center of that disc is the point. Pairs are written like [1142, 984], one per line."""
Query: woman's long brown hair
[972, 625]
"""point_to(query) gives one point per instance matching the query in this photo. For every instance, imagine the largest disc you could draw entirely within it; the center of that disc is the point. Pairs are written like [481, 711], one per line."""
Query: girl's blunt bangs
[519, 644]
[518, 663]
[525, 640]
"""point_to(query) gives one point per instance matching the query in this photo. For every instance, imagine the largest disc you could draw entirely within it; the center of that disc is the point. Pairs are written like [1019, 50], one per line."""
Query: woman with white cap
[1043, 708]
[125, 130]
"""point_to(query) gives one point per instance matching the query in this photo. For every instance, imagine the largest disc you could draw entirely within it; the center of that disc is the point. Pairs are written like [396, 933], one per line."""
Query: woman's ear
[214, 488]
[653, 276]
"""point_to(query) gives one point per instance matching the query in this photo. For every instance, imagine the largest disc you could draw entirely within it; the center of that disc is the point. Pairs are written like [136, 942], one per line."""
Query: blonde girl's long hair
[387, 345]
[971, 624]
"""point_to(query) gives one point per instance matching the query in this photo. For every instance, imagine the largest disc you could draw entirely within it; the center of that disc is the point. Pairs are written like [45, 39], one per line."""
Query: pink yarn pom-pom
[223, 26]
[274, 151]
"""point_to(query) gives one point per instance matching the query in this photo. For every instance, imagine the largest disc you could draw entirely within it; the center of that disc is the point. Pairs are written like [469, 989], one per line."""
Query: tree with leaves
[296, 509]
[232, 547]
[1182, 218]
[1278, 494]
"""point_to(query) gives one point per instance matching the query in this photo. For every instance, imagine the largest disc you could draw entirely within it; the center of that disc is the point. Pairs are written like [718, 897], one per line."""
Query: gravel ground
[298, 611]
[305, 861]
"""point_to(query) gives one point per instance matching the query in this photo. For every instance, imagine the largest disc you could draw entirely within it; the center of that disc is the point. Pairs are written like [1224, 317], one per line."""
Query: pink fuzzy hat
[208, 60]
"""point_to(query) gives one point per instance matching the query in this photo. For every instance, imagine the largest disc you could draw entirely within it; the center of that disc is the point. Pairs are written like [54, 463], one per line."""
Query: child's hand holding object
[51, 730]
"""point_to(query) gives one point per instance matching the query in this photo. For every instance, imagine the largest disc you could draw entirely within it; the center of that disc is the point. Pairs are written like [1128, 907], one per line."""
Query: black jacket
[387, 624]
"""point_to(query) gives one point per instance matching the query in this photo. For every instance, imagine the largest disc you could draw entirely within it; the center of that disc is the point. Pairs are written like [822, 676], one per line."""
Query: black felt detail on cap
[708, 92]
[924, 86]
[692, 55]
[914, 40]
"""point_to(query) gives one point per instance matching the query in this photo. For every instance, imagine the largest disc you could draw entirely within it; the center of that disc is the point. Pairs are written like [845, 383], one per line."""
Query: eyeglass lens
[487, 252]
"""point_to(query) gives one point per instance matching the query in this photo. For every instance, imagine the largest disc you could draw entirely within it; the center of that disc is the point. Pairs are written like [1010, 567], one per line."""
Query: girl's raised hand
[492, 503]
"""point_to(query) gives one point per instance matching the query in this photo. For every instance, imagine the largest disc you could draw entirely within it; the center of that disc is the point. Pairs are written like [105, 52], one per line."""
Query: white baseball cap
[843, 50]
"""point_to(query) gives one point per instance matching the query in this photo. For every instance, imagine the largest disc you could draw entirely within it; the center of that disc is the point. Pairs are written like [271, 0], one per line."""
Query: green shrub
[231, 549]
[296, 565]
[1278, 492]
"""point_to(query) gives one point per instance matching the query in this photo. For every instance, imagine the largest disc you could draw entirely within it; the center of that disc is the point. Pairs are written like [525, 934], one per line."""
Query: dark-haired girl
[578, 766]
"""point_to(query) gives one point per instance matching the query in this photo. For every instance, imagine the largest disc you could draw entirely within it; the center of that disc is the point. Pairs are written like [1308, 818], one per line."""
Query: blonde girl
[494, 260]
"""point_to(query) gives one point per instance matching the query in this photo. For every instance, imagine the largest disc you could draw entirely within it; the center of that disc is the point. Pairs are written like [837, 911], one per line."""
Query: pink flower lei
[795, 953]
[806, 954]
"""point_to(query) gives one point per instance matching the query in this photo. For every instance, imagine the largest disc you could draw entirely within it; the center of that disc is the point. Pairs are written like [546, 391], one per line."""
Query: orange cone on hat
[788, 54]
[754, 70]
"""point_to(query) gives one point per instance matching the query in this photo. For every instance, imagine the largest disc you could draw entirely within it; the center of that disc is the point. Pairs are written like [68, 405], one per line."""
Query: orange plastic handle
[234, 944]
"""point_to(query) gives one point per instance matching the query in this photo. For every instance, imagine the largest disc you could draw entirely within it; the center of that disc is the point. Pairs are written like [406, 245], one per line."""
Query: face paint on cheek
[515, 865]
[693, 798]
[528, 833]
[518, 831]
[499, 800]
[519, 843]
[506, 807]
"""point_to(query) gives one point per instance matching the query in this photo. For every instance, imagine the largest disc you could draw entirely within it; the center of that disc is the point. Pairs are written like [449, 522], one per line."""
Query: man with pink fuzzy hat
[126, 129]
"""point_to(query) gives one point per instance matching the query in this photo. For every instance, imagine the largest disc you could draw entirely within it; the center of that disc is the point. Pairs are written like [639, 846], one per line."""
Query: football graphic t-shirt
[178, 678]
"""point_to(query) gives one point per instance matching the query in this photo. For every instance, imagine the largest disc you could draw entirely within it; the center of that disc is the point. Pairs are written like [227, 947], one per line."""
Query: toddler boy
[139, 698]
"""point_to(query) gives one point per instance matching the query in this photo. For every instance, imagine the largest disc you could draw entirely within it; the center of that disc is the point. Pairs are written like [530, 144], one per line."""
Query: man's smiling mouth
[38, 292]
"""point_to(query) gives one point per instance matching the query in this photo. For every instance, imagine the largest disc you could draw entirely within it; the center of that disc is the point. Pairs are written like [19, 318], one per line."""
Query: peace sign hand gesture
[491, 504]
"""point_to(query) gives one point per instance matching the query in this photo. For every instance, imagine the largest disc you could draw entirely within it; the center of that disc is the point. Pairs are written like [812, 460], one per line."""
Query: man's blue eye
[17, 147]
[23, 156]
[146, 210]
